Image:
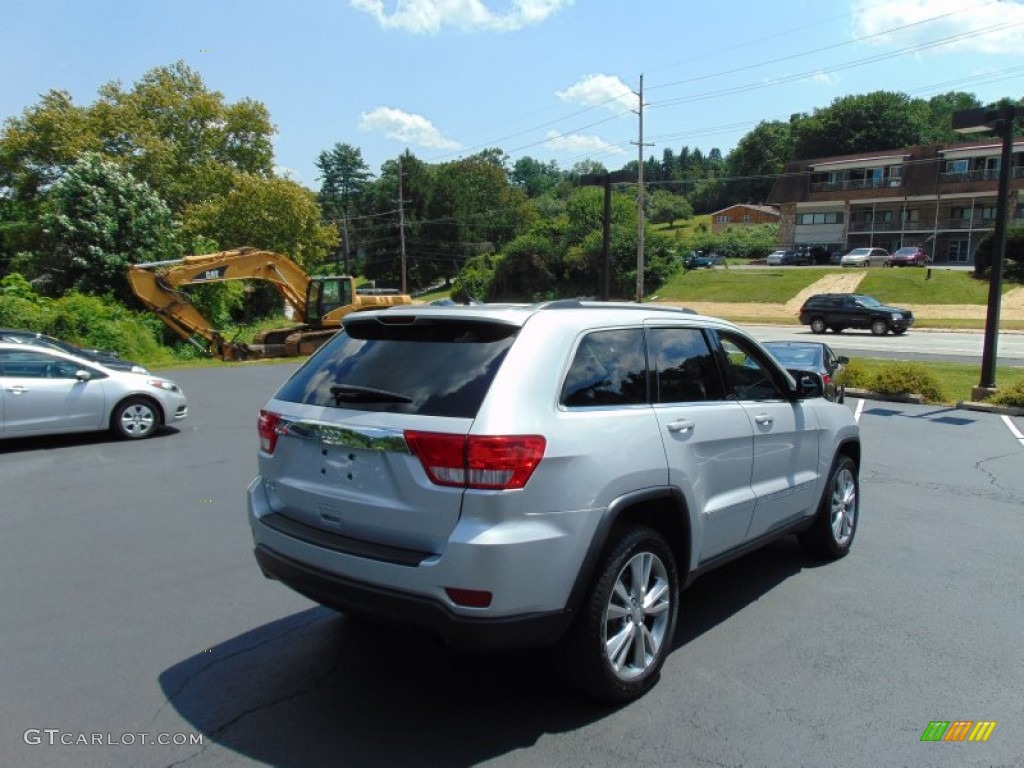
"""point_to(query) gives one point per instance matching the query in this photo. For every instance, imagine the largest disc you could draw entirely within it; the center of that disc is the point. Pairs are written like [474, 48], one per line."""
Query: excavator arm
[157, 285]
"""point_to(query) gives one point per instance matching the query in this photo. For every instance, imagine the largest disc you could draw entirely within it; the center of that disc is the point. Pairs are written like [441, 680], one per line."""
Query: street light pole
[995, 285]
[999, 120]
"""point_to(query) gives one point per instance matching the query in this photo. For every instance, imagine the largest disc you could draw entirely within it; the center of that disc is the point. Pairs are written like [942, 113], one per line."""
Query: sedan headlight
[169, 386]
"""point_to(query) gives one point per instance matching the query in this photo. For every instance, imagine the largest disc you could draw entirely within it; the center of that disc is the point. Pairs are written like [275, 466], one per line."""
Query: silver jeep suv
[541, 475]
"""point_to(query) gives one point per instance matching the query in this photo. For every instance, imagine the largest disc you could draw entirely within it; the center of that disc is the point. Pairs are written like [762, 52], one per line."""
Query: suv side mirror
[808, 384]
[843, 360]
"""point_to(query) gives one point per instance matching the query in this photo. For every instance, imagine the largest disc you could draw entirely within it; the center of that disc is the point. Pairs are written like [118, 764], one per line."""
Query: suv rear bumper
[360, 599]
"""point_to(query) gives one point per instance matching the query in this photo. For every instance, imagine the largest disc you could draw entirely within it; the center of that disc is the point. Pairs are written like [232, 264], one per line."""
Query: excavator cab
[325, 294]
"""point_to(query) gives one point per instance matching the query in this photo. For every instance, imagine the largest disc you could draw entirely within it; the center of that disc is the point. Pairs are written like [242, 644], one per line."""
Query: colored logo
[958, 730]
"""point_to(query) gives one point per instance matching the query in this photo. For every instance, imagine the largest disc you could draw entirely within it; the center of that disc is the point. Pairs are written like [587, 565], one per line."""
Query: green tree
[940, 115]
[757, 159]
[274, 214]
[344, 176]
[181, 138]
[665, 208]
[98, 220]
[865, 123]
[535, 178]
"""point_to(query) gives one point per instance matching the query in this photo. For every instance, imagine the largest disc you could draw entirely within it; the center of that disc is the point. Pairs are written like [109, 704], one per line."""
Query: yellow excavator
[319, 301]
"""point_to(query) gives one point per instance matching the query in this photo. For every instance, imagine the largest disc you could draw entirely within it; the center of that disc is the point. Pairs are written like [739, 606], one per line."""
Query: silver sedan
[44, 391]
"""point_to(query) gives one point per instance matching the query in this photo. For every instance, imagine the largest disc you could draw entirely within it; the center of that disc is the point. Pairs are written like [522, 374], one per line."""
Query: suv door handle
[683, 425]
[764, 419]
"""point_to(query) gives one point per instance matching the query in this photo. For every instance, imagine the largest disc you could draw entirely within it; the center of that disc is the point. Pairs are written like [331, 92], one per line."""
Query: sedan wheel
[624, 631]
[135, 418]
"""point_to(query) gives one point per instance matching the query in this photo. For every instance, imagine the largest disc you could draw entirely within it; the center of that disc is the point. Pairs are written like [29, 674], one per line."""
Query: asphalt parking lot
[132, 609]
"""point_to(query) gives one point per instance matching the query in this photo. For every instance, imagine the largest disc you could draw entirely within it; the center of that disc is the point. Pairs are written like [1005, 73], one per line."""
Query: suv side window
[748, 376]
[682, 366]
[608, 368]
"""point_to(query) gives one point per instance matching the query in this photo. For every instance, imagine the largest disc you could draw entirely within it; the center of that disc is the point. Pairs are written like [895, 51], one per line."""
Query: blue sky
[552, 79]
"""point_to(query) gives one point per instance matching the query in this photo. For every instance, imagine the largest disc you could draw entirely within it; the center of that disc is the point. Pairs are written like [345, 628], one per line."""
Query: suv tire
[831, 534]
[879, 327]
[634, 600]
[818, 325]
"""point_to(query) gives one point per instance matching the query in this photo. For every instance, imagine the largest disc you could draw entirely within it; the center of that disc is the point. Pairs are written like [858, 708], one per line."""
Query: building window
[960, 212]
[722, 219]
[829, 217]
[988, 212]
[956, 166]
[746, 218]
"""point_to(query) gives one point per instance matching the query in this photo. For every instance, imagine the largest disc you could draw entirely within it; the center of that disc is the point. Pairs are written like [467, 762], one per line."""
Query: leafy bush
[89, 321]
[1012, 395]
[903, 378]
[856, 375]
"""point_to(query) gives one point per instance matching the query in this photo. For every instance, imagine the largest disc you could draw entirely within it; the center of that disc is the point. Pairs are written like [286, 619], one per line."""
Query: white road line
[859, 410]
[1013, 429]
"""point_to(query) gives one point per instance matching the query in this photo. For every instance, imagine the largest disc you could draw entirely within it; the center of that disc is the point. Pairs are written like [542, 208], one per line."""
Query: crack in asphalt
[222, 659]
[991, 477]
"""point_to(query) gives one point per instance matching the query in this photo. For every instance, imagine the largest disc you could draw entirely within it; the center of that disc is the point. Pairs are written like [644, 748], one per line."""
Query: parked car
[545, 475]
[107, 357]
[46, 391]
[839, 311]
[703, 261]
[779, 258]
[836, 257]
[910, 255]
[814, 356]
[866, 257]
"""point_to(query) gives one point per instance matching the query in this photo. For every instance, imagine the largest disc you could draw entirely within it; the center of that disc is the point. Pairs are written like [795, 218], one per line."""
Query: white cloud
[404, 126]
[600, 90]
[824, 78]
[871, 17]
[578, 143]
[431, 16]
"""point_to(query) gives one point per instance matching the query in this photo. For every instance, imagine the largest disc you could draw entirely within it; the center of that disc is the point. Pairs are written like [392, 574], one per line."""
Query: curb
[1005, 410]
[967, 405]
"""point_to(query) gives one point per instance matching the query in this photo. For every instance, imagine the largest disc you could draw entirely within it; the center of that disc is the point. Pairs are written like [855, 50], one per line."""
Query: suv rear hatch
[368, 440]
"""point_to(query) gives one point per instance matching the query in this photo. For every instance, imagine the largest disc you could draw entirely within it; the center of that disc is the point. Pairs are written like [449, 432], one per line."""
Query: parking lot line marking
[1013, 429]
[859, 410]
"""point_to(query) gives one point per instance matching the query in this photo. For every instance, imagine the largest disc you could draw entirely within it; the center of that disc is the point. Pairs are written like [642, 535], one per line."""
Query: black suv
[839, 311]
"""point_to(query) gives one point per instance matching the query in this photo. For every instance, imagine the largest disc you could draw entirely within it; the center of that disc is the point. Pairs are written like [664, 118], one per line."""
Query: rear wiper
[353, 394]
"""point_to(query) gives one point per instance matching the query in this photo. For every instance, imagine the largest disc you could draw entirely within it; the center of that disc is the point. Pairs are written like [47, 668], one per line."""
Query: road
[132, 605]
[916, 344]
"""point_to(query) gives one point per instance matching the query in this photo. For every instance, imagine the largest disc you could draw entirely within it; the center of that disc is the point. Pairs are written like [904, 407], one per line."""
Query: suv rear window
[429, 366]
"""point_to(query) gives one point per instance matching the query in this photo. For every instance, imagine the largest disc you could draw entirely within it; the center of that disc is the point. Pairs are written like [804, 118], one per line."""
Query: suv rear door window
[422, 365]
[609, 368]
[682, 365]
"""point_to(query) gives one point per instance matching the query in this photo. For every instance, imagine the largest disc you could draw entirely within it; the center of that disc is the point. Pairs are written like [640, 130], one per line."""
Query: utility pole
[640, 199]
[401, 223]
[344, 239]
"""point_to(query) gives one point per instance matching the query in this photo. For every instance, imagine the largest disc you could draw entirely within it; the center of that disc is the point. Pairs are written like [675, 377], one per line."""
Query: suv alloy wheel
[620, 640]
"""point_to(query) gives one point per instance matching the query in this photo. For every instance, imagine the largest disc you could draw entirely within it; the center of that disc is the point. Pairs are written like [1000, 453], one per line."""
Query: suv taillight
[477, 461]
[267, 426]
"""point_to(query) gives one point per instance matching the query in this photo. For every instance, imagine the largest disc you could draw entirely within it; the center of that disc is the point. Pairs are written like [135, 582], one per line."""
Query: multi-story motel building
[941, 197]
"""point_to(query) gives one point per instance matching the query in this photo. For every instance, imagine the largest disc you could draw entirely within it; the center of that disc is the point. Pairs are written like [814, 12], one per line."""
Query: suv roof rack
[595, 304]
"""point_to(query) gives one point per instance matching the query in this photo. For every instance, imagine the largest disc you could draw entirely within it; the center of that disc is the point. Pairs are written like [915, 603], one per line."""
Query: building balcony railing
[923, 226]
[987, 174]
[846, 186]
